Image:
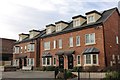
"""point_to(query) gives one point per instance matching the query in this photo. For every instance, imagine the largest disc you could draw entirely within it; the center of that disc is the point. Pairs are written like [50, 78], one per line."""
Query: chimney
[23, 36]
[92, 16]
[50, 28]
[60, 25]
[78, 20]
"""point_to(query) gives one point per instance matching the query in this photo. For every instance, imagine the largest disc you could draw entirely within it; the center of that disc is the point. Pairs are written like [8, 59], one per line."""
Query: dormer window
[91, 18]
[50, 28]
[78, 20]
[76, 23]
[33, 33]
[60, 25]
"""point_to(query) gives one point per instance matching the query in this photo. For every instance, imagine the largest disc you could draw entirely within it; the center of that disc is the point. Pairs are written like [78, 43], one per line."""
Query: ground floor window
[91, 59]
[16, 62]
[54, 61]
[30, 61]
[78, 60]
[46, 61]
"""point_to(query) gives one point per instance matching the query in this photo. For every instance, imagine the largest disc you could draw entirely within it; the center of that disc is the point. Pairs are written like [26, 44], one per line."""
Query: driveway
[24, 75]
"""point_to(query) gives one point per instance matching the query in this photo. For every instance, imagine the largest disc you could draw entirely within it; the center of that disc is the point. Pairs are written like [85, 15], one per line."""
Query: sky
[21, 16]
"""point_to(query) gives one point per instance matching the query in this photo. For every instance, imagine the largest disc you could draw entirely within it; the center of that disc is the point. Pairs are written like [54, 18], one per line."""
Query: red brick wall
[110, 33]
[78, 50]
[29, 54]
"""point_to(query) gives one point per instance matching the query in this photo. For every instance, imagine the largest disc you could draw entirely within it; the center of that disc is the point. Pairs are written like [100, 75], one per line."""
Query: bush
[75, 69]
[112, 75]
[50, 68]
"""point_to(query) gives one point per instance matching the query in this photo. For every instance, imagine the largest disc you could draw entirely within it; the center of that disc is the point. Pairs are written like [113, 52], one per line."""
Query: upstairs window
[30, 47]
[46, 45]
[76, 23]
[17, 49]
[77, 40]
[54, 44]
[60, 43]
[90, 38]
[117, 41]
[48, 30]
[58, 27]
[90, 18]
[71, 41]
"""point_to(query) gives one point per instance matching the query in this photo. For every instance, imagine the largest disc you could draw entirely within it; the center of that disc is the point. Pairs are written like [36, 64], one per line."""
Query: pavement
[30, 75]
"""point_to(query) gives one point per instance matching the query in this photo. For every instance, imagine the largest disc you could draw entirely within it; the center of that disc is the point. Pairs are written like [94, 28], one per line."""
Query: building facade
[87, 41]
[6, 51]
[26, 52]
[91, 40]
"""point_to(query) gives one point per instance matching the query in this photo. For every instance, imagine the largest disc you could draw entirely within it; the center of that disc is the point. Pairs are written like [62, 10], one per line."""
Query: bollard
[78, 73]
[65, 76]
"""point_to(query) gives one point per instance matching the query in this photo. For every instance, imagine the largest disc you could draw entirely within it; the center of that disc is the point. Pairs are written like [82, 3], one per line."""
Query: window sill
[91, 65]
[78, 65]
[87, 44]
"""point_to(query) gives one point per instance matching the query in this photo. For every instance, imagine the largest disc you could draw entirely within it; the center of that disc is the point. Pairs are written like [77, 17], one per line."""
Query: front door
[20, 63]
[25, 62]
[61, 62]
[70, 62]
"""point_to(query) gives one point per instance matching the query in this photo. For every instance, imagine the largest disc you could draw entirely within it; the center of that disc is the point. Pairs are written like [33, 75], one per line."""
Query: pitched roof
[104, 16]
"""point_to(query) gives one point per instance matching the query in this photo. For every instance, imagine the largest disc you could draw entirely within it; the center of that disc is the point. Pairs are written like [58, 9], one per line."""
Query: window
[78, 60]
[118, 57]
[54, 44]
[90, 18]
[30, 61]
[46, 45]
[113, 56]
[21, 49]
[25, 48]
[48, 30]
[77, 40]
[91, 59]
[54, 61]
[71, 41]
[58, 27]
[60, 43]
[17, 49]
[16, 62]
[90, 38]
[117, 41]
[46, 61]
[30, 47]
[88, 59]
[76, 23]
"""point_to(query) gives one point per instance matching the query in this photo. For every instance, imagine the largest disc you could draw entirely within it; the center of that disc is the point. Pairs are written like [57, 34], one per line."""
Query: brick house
[6, 51]
[26, 52]
[91, 40]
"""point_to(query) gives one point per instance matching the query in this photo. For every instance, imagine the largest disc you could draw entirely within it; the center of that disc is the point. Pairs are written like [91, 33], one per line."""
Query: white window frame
[117, 40]
[54, 44]
[90, 39]
[91, 55]
[15, 62]
[70, 41]
[77, 37]
[31, 47]
[21, 48]
[47, 45]
[118, 56]
[77, 60]
[91, 18]
[17, 49]
[29, 61]
[60, 43]
[113, 57]
[58, 27]
[46, 61]
[76, 23]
